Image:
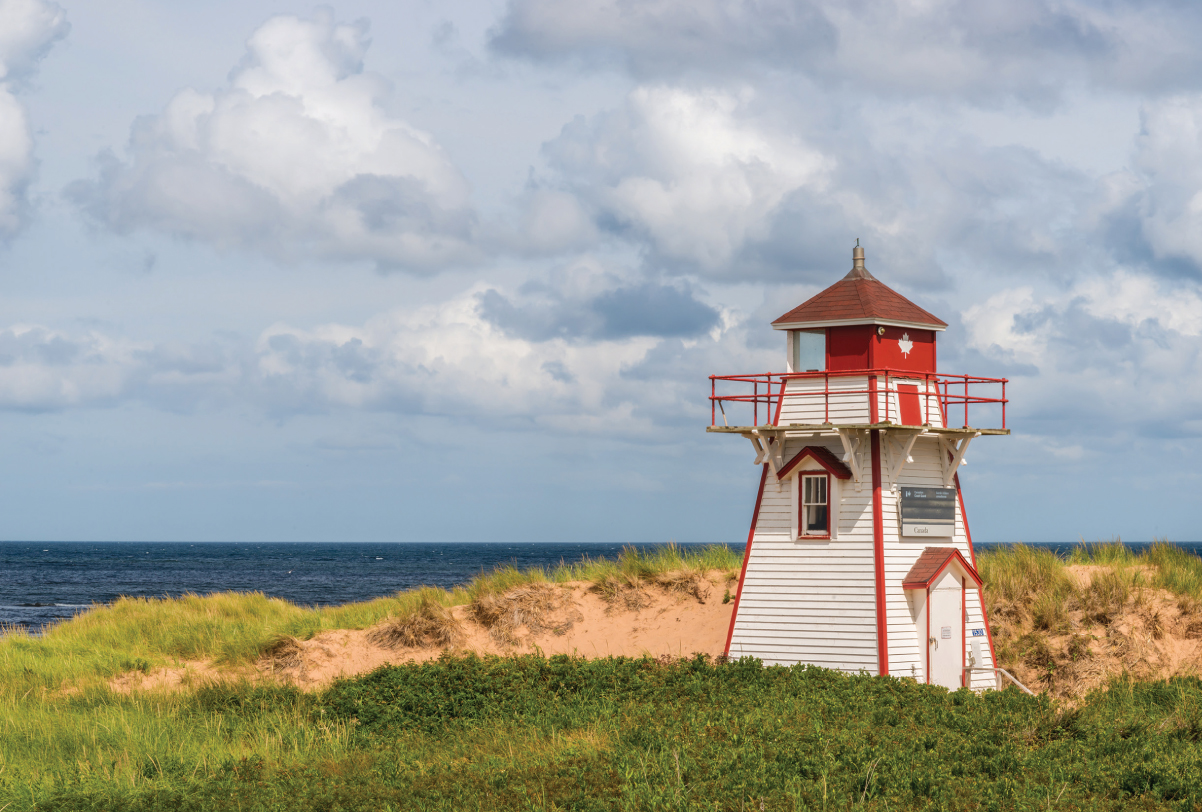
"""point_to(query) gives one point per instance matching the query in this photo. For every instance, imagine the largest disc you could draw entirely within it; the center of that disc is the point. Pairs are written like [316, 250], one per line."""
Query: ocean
[41, 582]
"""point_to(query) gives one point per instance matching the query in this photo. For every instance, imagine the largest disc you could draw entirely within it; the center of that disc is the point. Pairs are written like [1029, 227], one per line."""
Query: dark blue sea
[47, 581]
[41, 582]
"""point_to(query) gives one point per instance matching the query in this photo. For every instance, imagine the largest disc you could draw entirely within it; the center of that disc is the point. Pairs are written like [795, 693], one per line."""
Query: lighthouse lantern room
[859, 556]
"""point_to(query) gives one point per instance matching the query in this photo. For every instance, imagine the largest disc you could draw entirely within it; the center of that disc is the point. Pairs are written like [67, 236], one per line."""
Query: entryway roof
[931, 564]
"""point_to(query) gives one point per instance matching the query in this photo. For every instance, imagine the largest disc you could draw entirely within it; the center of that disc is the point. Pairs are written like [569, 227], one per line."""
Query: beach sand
[547, 619]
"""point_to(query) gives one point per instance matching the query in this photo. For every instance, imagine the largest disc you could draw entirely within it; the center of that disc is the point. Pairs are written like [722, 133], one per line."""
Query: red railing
[948, 391]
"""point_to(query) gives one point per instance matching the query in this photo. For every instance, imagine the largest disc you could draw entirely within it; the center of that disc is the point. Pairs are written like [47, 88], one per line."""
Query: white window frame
[803, 528]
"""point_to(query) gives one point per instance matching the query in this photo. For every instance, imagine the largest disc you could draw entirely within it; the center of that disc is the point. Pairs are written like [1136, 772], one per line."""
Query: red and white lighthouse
[859, 556]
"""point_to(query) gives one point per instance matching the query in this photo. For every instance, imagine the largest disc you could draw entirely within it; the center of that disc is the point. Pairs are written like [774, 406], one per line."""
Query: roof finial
[858, 271]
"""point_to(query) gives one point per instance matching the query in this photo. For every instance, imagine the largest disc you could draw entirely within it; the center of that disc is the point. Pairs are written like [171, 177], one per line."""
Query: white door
[946, 643]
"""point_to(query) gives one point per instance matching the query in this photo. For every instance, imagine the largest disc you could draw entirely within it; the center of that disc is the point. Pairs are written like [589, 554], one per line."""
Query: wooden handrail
[999, 673]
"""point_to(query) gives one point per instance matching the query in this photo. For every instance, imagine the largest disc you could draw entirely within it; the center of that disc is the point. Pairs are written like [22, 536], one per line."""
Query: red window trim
[801, 511]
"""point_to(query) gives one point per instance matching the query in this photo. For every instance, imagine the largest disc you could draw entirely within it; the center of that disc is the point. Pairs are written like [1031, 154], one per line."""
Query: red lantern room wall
[859, 555]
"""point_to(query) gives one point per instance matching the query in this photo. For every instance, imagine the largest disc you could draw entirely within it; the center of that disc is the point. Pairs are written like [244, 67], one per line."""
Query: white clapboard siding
[814, 601]
[809, 601]
[806, 401]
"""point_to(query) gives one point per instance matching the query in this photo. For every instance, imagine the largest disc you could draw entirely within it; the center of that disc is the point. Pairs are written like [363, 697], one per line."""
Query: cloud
[587, 372]
[28, 29]
[297, 154]
[448, 359]
[582, 304]
[1152, 213]
[1112, 353]
[739, 186]
[687, 172]
[44, 370]
[1027, 50]
[443, 359]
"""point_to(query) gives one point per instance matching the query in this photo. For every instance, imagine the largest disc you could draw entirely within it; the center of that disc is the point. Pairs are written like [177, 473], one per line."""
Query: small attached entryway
[935, 588]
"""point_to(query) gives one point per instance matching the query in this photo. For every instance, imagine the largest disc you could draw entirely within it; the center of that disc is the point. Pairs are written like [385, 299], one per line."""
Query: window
[809, 350]
[815, 505]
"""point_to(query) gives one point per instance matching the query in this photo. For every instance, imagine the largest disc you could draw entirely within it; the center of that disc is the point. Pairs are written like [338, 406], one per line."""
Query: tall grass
[1018, 572]
[1176, 570]
[61, 724]
[237, 628]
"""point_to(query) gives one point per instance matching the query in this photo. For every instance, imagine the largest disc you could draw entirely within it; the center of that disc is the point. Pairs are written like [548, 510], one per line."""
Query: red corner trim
[963, 633]
[832, 464]
[755, 517]
[972, 552]
[927, 643]
[878, 557]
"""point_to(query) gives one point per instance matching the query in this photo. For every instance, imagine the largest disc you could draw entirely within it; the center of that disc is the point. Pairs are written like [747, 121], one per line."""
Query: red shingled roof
[859, 298]
[822, 456]
[931, 563]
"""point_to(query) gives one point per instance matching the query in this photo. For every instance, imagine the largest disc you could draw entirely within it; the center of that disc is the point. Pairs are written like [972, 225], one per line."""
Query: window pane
[811, 351]
[816, 519]
[820, 490]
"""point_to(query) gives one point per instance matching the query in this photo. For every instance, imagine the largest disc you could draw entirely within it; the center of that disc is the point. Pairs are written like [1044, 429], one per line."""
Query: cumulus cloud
[446, 360]
[635, 362]
[28, 29]
[1027, 50]
[43, 369]
[729, 186]
[1152, 212]
[584, 303]
[685, 171]
[1113, 352]
[297, 154]
[570, 353]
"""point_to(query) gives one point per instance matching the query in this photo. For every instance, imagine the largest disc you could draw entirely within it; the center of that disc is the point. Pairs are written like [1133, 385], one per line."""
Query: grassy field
[532, 733]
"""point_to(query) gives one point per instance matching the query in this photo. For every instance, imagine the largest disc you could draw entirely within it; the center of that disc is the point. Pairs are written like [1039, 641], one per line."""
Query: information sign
[928, 511]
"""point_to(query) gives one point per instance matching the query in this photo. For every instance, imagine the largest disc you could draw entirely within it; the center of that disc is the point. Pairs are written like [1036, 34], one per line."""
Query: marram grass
[1017, 572]
[236, 628]
[61, 725]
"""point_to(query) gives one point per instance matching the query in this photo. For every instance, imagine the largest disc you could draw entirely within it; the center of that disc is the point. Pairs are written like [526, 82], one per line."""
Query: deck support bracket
[952, 456]
[768, 450]
[851, 446]
[900, 455]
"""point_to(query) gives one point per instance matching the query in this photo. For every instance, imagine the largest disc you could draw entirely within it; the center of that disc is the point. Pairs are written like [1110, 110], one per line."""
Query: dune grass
[141, 634]
[61, 724]
[1018, 573]
[1052, 625]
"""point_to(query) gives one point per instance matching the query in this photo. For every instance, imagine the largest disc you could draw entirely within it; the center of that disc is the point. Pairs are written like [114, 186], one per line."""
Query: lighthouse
[859, 555]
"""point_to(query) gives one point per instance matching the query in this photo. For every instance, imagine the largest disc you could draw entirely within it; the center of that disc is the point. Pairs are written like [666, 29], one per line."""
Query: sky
[418, 271]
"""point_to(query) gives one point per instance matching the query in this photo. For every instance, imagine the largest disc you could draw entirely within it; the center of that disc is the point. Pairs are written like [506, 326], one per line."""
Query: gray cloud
[728, 186]
[1028, 50]
[1149, 214]
[643, 309]
[1111, 354]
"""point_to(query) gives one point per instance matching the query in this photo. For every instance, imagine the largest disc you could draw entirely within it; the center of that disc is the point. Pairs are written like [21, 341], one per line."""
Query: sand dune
[550, 619]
